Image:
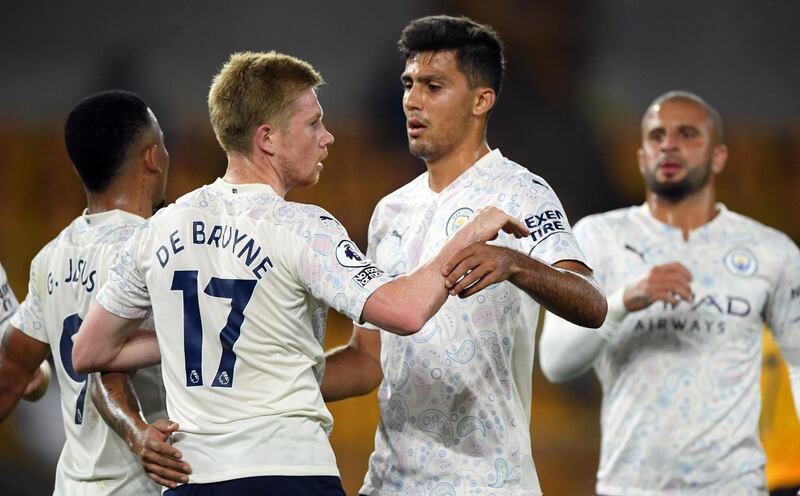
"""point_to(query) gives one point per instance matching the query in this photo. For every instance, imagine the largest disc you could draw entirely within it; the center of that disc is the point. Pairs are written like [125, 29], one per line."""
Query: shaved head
[686, 96]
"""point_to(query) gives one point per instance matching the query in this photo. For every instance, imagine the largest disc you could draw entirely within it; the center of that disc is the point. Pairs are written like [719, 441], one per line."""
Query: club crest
[458, 219]
[741, 262]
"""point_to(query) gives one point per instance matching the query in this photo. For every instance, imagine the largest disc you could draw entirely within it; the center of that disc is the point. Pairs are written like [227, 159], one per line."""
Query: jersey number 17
[239, 292]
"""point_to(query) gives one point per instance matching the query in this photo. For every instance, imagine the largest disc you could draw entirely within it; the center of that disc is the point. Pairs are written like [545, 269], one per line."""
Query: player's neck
[687, 214]
[446, 169]
[132, 201]
[244, 170]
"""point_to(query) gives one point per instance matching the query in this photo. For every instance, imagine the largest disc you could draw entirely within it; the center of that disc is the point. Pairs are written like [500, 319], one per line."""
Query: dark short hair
[98, 132]
[479, 51]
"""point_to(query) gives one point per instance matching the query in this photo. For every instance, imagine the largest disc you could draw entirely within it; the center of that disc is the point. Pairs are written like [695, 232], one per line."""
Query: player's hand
[160, 460]
[477, 266]
[38, 383]
[488, 221]
[669, 282]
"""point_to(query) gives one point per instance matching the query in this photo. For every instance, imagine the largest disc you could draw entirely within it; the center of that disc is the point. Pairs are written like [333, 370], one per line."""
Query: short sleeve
[125, 292]
[332, 268]
[551, 239]
[783, 306]
[29, 317]
[8, 302]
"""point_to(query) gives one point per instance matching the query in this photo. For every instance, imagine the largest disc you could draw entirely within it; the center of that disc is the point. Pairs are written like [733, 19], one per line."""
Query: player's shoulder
[767, 236]
[65, 238]
[507, 176]
[196, 199]
[117, 230]
[511, 173]
[610, 219]
[302, 218]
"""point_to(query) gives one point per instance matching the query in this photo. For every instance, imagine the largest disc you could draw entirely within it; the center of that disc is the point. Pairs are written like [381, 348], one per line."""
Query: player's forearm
[567, 350]
[404, 305]
[106, 342]
[20, 358]
[348, 373]
[575, 297]
[116, 401]
[140, 350]
[13, 381]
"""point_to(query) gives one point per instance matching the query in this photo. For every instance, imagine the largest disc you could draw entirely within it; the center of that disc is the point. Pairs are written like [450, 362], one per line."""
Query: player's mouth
[319, 166]
[415, 128]
[669, 166]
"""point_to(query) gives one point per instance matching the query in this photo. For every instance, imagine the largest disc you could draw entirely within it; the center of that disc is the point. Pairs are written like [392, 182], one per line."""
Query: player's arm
[405, 304]
[107, 342]
[782, 312]
[38, 385]
[116, 401]
[566, 350]
[565, 288]
[20, 358]
[355, 368]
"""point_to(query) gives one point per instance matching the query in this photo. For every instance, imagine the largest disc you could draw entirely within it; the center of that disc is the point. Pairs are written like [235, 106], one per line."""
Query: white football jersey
[681, 384]
[8, 302]
[64, 278]
[239, 281]
[455, 399]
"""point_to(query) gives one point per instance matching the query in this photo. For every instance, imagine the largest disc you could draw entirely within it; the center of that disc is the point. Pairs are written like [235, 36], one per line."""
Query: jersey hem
[473, 491]
[267, 470]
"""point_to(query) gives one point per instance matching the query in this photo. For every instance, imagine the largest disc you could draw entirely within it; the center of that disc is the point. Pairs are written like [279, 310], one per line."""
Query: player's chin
[310, 181]
[419, 148]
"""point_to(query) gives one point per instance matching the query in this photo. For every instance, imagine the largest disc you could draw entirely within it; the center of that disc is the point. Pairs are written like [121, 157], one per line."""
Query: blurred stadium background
[580, 73]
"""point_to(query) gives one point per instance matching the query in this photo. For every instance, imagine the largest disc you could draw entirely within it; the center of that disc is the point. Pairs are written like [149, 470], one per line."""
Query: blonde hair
[254, 88]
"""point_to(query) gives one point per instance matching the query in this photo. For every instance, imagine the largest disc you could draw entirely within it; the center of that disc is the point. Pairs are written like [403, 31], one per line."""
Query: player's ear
[150, 157]
[719, 157]
[484, 101]
[265, 139]
[642, 161]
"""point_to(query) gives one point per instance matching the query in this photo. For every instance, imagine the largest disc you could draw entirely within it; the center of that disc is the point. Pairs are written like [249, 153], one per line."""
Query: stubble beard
[676, 191]
[421, 150]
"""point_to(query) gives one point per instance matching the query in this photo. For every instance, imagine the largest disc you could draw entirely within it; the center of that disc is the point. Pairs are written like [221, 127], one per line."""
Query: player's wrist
[136, 434]
[617, 311]
[518, 266]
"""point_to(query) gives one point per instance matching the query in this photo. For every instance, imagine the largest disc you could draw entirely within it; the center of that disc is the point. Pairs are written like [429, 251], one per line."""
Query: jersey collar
[242, 189]
[101, 218]
[704, 231]
[481, 166]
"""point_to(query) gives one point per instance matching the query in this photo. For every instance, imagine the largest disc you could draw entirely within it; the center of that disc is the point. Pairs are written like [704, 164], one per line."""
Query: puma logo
[634, 250]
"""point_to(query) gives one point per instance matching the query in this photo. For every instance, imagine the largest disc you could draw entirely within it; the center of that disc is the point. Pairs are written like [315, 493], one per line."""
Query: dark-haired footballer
[239, 282]
[117, 147]
[455, 398]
